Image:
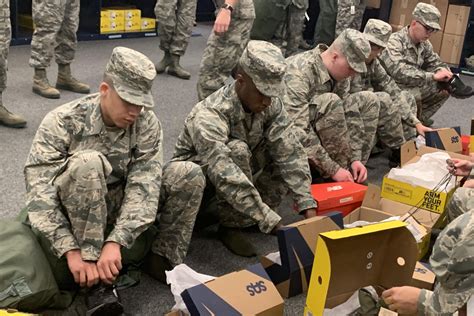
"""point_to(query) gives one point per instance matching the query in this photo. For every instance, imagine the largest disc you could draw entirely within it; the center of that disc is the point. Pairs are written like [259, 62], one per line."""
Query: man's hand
[342, 175]
[84, 272]
[221, 25]
[403, 300]
[359, 171]
[443, 74]
[110, 262]
[311, 212]
[462, 168]
[421, 129]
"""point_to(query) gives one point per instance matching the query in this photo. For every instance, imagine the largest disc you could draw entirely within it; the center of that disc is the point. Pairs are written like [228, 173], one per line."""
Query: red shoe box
[466, 140]
[338, 196]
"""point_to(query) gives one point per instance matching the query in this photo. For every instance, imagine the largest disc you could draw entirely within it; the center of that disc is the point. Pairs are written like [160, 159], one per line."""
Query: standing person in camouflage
[93, 178]
[226, 43]
[397, 107]
[452, 261]
[349, 15]
[324, 32]
[409, 59]
[7, 118]
[318, 113]
[243, 129]
[56, 23]
[175, 23]
[294, 26]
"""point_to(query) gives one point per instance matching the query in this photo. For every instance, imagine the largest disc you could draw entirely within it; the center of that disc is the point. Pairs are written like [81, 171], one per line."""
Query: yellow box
[113, 14]
[104, 24]
[26, 21]
[132, 25]
[148, 24]
[133, 14]
[111, 25]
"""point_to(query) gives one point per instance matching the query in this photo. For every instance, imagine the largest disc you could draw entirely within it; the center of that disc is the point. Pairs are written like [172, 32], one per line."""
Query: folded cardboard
[423, 277]
[338, 196]
[451, 48]
[246, 292]
[413, 195]
[442, 6]
[401, 12]
[376, 209]
[382, 255]
[436, 40]
[296, 243]
[457, 19]
[448, 139]
[386, 312]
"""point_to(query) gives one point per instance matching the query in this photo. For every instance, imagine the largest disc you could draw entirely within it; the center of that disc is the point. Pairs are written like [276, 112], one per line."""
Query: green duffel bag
[26, 280]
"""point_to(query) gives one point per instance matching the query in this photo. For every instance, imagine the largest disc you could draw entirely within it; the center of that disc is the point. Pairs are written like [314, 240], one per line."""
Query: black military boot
[458, 89]
[235, 240]
[103, 300]
[155, 266]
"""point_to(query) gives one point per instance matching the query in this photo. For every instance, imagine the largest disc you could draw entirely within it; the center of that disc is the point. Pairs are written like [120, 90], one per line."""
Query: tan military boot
[41, 85]
[165, 62]
[67, 82]
[10, 119]
[176, 70]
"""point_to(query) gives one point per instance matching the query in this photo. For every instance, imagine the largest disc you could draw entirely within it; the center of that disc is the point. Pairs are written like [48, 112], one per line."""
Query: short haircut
[108, 80]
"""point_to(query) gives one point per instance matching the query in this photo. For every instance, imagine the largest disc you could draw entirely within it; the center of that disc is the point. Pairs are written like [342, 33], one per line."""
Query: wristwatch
[228, 7]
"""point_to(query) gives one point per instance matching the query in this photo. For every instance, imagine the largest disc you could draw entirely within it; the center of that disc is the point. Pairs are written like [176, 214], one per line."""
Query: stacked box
[148, 24]
[112, 21]
[454, 32]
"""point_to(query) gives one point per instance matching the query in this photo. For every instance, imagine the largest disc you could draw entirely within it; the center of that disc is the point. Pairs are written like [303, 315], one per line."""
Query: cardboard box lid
[296, 243]
[448, 139]
[381, 254]
[246, 292]
[409, 153]
[331, 195]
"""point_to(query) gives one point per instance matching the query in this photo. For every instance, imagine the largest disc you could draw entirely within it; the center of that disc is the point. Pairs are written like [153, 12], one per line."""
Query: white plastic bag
[350, 305]
[181, 278]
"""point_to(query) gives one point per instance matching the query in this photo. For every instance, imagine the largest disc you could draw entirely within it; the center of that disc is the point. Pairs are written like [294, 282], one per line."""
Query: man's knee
[88, 163]
[184, 175]
[327, 103]
[458, 204]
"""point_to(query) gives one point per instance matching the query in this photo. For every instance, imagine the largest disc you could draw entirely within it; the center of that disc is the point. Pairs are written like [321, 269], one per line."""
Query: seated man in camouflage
[93, 178]
[397, 117]
[243, 129]
[318, 112]
[410, 60]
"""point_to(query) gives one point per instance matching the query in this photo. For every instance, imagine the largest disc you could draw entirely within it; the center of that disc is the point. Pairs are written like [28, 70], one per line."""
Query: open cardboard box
[382, 254]
[246, 292]
[296, 243]
[448, 139]
[416, 195]
[338, 196]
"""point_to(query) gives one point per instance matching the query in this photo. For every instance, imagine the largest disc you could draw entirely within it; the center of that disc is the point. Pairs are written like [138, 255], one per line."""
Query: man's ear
[104, 88]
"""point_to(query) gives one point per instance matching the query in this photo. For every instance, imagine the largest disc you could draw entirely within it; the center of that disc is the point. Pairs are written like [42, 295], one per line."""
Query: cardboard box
[296, 243]
[451, 48]
[133, 26]
[466, 140]
[416, 195]
[376, 209]
[396, 28]
[436, 40]
[442, 6]
[457, 19]
[401, 12]
[375, 4]
[148, 24]
[448, 139]
[113, 14]
[246, 292]
[111, 25]
[338, 196]
[423, 277]
[382, 254]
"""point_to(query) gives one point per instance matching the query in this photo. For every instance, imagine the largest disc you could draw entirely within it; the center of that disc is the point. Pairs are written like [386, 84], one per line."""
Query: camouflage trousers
[389, 129]
[5, 37]
[362, 115]
[221, 55]
[349, 15]
[267, 179]
[461, 202]
[329, 135]
[294, 28]
[175, 24]
[56, 23]
[324, 31]
[408, 113]
[92, 206]
[428, 98]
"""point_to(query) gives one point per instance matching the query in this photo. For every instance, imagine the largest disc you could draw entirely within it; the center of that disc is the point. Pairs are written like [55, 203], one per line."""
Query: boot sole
[172, 73]
[47, 96]
[67, 88]
[20, 125]
[110, 309]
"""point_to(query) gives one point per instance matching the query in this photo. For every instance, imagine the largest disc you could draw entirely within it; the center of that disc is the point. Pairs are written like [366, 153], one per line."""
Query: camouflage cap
[132, 74]
[355, 47]
[265, 64]
[378, 32]
[427, 14]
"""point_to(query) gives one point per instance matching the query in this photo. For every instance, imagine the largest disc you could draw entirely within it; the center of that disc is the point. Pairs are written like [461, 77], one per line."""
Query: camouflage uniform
[349, 15]
[232, 145]
[88, 183]
[175, 22]
[5, 37]
[223, 51]
[412, 66]
[324, 32]
[452, 261]
[294, 25]
[461, 202]
[56, 23]
[317, 112]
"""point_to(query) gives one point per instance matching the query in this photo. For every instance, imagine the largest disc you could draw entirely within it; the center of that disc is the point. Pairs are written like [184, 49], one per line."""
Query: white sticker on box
[334, 188]
[347, 199]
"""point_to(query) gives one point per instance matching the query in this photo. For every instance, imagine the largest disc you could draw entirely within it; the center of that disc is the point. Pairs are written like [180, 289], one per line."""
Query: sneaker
[103, 300]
